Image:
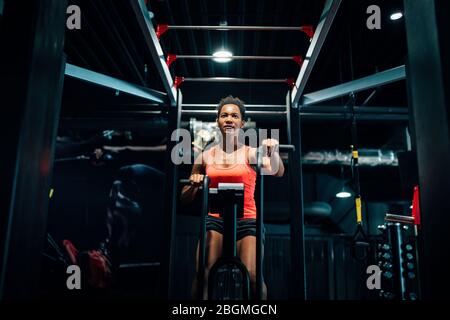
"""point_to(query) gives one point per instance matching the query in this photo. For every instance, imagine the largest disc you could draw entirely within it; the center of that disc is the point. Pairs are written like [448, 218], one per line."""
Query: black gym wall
[78, 208]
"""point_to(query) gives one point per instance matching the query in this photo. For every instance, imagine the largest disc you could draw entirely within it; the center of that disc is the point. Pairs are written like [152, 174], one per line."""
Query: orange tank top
[236, 173]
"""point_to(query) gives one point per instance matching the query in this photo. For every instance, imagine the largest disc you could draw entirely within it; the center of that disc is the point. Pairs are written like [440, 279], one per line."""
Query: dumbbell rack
[398, 260]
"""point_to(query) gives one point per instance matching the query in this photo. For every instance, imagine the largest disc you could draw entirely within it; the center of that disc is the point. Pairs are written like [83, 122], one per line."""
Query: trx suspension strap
[360, 244]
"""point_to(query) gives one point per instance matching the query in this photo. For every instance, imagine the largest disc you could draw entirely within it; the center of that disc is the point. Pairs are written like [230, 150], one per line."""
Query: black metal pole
[31, 81]
[298, 282]
[229, 220]
[288, 119]
[259, 236]
[202, 253]
[171, 200]
[428, 78]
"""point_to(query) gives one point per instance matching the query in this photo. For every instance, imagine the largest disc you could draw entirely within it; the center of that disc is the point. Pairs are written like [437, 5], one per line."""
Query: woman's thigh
[247, 253]
[213, 248]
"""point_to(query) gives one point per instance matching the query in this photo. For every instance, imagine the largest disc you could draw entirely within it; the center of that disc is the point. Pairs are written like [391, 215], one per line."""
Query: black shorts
[244, 227]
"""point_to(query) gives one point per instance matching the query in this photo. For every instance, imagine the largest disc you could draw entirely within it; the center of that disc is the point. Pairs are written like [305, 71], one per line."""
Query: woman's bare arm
[271, 164]
[196, 178]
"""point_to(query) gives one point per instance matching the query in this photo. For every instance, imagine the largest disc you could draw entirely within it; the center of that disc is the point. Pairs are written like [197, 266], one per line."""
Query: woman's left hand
[270, 146]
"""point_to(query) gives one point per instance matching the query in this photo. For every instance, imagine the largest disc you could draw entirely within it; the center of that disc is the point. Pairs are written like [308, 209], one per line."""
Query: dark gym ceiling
[110, 42]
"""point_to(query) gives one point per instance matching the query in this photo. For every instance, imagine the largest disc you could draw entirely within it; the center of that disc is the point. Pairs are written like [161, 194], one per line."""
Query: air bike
[228, 278]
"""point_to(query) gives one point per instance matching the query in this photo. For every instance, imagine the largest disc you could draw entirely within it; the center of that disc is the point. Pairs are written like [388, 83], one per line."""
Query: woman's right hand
[196, 179]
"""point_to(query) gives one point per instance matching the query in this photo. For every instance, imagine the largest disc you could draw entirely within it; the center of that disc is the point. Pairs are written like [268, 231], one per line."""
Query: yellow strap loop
[358, 209]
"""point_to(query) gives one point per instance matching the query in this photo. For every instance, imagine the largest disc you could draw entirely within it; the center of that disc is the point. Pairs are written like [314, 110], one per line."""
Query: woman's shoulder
[251, 152]
[250, 148]
[208, 153]
[209, 149]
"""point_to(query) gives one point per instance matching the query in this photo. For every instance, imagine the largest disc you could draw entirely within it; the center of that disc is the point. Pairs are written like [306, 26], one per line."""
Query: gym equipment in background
[397, 257]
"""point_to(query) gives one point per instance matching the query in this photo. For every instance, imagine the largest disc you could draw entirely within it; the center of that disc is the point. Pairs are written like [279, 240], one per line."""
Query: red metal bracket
[298, 59]
[309, 30]
[171, 59]
[161, 29]
[290, 82]
[178, 81]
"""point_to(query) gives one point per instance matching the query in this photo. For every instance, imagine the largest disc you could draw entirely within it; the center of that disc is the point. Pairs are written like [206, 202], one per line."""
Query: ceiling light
[222, 56]
[343, 194]
[396, 15]
[345, 191]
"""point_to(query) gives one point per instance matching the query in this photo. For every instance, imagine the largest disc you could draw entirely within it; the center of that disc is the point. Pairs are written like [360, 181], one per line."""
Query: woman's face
[230, 119]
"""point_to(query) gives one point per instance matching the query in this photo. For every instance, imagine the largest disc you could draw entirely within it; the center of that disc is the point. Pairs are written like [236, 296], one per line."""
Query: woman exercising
[229, 160]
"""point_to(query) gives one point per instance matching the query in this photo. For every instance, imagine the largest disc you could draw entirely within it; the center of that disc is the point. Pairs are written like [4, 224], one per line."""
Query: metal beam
[428, 71]
[170, 202]
[357, 110]
[251, 112]
[113, 83]
[315, 109]
[211, 57]
[152, 42]
[319, 116]
[374, 117]
[297, 243]
[238, 28]
[31, 77]
[240, 80]
[326, 19]
[148, 124]
[376, 80]
[247, 106]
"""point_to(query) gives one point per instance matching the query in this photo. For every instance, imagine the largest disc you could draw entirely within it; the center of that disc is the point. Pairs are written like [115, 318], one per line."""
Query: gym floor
[93, 92]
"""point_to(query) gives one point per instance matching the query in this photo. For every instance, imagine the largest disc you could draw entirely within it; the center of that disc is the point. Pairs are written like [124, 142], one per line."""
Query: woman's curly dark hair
[232, 100]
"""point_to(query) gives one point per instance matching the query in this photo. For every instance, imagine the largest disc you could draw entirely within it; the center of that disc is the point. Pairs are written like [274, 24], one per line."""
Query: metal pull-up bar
[247, 106]
[179, 80]
[172, 57]
[162, 28]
